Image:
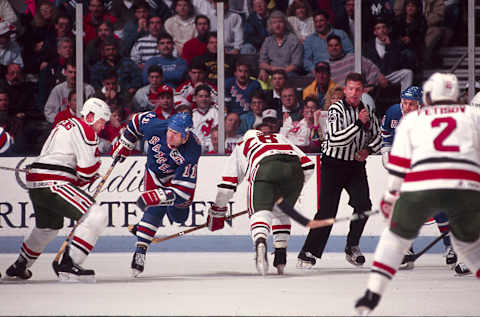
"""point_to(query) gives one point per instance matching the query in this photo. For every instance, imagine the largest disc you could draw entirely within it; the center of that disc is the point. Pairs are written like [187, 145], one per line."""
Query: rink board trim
[212, 243]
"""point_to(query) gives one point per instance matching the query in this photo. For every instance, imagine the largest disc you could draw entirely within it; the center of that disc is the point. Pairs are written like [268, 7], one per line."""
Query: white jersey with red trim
[248, 153]
[437, 147]
[203, 122]
[70, 152]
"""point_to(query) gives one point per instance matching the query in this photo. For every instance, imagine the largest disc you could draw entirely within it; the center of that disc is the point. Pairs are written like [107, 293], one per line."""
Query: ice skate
[367, 303]
[406, 264]
[450, 257]
[68, 271]
[354, 255]
[305, 260]
[138, 261]
[18, 270]
[461, 269]
[261, 260]
[280, 260]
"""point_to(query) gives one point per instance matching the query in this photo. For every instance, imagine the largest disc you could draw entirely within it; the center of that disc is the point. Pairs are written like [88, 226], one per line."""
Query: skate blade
[72, 278]
[136, 273]
[262, 264]
[363, 311]
[406, 266]
[281, 269]
[306, 265]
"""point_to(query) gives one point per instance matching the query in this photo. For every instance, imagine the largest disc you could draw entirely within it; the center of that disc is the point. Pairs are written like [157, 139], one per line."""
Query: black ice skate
[305, 260]
[280, 260]
[261, 260]
[18, 270]
[461, 269]
[138, 261]
[367, 303]
[450, 257]
[354, 255]
[68, 271]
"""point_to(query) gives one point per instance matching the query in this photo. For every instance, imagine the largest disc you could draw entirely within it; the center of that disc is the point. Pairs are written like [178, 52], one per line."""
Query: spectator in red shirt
[96, 15]
[197, 45]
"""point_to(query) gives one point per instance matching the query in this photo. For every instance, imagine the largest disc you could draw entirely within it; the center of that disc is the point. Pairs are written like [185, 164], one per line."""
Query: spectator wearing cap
[280, 50]
[162, 99]
[146, 47]
[315, 45]
[10, 51]
[385, 52]
[341, 64]
[140, 101]
[197, 45]
[128, 73]
[204, 115]
[181, 26]
[321, 84]
[270, 118]
[249, 119]
[197, 75]
[58, 98]
[174, 68]
[240, 88]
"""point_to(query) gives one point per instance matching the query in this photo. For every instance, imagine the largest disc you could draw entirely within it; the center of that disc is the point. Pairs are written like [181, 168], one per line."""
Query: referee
[353, 134]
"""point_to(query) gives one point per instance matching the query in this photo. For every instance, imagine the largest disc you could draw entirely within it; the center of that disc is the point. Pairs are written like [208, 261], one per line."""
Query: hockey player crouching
[434, 164]
[170, 176]
[67, 161]
[276, 171]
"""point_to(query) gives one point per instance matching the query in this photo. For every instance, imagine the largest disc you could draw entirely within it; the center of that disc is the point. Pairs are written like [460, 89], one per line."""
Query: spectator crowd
[285, 62]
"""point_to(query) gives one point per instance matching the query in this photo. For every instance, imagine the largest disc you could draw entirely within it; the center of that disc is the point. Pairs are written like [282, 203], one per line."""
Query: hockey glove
[122, 148]
[156, 197]
[388, 202]
[216, 217]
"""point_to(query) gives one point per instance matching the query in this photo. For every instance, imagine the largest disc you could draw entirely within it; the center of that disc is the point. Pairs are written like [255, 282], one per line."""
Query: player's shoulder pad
[86, 131]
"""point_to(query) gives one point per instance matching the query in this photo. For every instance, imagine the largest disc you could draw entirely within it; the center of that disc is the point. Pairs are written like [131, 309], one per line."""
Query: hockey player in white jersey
[434, 164]
[276, 171]
[68, 161]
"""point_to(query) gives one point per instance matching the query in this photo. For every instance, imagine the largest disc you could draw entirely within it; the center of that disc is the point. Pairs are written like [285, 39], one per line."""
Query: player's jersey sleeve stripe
[233, 180]
[444, 160]
[89, 171]
[399, 161]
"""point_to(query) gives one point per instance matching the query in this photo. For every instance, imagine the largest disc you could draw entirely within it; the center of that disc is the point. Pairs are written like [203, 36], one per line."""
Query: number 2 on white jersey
[451, 125]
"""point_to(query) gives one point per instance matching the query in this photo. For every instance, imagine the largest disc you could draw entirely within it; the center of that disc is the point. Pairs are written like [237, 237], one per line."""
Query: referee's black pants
[337, 175]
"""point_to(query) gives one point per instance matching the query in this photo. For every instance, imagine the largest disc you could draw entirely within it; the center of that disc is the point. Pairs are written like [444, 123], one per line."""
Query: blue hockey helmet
[181, 123]
[412, 93]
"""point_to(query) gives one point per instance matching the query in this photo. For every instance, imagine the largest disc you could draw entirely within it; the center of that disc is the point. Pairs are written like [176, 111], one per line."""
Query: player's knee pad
[468, 252]
[260, 224]
[281, 227]
[36, 242]
[95, 220]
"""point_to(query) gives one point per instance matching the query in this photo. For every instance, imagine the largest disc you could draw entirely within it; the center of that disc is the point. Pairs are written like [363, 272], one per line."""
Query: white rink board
[124, 184]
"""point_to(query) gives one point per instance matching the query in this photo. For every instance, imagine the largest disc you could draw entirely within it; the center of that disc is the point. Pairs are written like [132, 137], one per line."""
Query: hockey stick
[184, 232]
[70, 235]
[12, 169]
[413, 257]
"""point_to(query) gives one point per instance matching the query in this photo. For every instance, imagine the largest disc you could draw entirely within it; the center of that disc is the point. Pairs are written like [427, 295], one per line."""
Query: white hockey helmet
[98, 107]
[251, 134]
[440, 87]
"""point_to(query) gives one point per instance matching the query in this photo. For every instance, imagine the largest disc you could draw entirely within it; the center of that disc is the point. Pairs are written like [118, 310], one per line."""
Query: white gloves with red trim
[216, 217]
[388, 202]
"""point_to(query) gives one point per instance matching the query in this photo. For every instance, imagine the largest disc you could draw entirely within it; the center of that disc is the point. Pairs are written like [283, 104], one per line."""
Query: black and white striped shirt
[144, 48]
[346, 135]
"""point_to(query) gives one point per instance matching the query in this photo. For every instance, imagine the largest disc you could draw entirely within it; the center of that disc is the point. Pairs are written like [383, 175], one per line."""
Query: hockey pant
[87, 233]
[153, 219]
[264, 221]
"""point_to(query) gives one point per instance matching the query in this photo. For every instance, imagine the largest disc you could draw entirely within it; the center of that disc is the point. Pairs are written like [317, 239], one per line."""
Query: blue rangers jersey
[390, 121]
[174, 169]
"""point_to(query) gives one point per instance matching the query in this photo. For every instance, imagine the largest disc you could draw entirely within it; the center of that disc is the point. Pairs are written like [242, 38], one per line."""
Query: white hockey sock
[260, 224]
[35, 243]
[388, 256]
[469, 252]
[281, 226]
[87, 233]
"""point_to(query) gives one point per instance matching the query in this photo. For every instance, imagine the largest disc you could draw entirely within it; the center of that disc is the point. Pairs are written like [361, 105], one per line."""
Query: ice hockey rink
[227, 284]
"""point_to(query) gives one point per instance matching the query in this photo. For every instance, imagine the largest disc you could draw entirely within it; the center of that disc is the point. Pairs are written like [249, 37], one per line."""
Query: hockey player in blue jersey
[170, 176]
[411, 100]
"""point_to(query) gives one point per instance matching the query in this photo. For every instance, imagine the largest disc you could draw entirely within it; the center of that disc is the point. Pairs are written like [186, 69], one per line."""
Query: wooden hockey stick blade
[414, 257]
[70, 235]
[184, 232]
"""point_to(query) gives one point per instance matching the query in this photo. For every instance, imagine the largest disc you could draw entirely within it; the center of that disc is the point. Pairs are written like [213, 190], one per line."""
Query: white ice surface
[199, 284]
